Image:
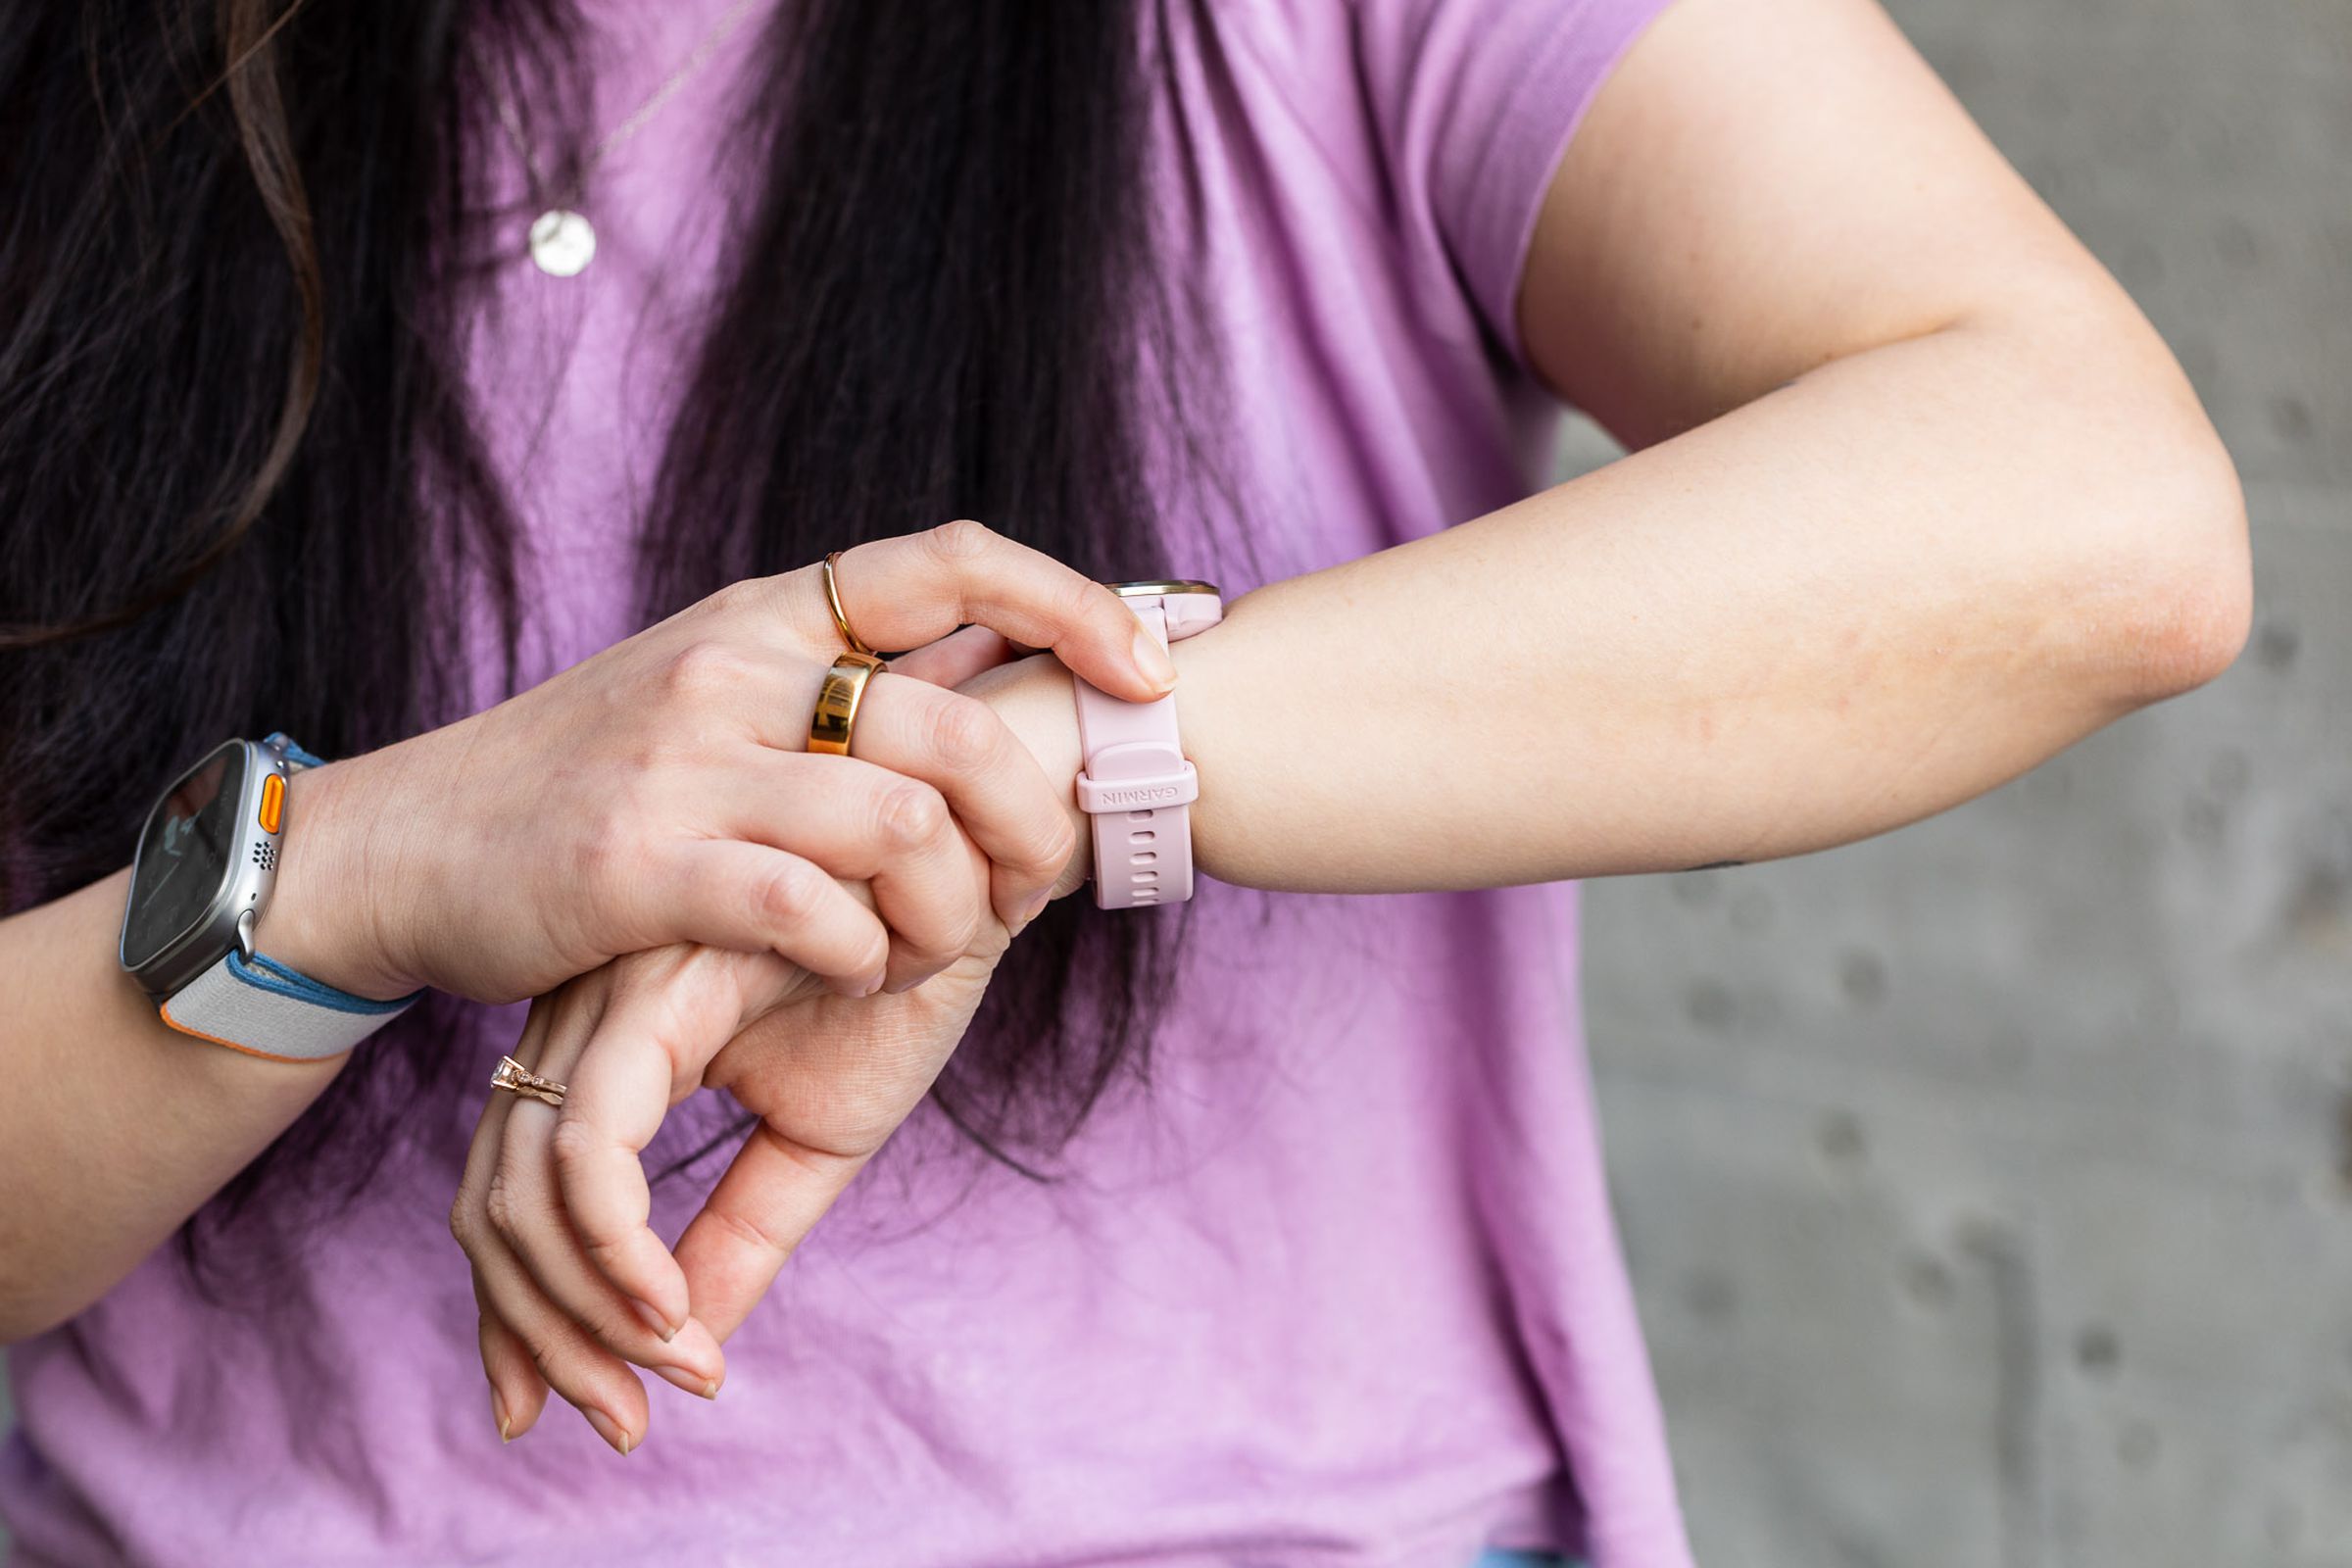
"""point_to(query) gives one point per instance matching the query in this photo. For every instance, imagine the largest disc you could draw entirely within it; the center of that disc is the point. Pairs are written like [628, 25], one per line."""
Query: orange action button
[274, 801]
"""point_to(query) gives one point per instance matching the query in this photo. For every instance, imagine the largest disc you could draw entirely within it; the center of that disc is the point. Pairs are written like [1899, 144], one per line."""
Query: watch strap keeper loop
[1138, 792]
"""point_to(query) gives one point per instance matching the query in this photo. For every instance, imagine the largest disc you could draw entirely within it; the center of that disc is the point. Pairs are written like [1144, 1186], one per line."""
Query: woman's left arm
[1920, 500]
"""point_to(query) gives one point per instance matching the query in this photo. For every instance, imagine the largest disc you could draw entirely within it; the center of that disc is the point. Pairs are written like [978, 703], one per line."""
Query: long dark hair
[236, 253]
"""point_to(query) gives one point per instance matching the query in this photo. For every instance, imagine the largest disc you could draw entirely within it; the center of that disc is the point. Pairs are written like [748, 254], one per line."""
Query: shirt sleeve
[1473, 103]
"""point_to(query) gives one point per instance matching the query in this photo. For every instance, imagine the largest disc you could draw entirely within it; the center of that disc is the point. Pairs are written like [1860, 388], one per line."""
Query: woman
[366, 371]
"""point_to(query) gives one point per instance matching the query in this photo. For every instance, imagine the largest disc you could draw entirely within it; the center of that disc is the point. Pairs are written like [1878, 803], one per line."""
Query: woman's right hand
[662, 792]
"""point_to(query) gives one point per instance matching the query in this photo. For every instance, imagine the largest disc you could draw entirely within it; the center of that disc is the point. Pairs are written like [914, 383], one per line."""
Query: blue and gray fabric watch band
[251, 1002]
[264, 1008]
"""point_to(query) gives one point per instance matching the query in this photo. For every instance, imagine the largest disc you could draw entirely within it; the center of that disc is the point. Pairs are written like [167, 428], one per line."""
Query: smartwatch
[207, 862]
[1136, 787]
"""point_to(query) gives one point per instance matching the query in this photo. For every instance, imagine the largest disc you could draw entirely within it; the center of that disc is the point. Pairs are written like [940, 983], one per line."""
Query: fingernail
[654, 1320]
[859, 990]
[1036, 904]
[1152, 658]
[498, 1414]
[693, 1383]
[610, 1430]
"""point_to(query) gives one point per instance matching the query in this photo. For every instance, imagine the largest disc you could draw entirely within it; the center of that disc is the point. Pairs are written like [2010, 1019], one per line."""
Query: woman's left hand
[571, 1281]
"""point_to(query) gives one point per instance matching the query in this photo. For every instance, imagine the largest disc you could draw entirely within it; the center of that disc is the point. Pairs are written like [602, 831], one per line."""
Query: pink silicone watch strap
[1137, 788]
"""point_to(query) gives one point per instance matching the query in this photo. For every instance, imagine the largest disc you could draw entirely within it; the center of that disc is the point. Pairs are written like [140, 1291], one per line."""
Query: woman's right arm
[657, 793]
[113, 1128]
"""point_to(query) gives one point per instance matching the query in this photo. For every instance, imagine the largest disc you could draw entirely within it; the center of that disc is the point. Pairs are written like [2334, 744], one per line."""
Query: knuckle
[502, 1207]
[748, 1233]
[965, 933]
[573, 1145]
[910, 815]
[464, 1228]
[1071, 600]
[551, 1363]
[962, 540]
[964, 733]
[948, 935]
[617, 1330]
[604, 1252]
[704, 672]
[601, 1324]
[788, 894]
[1056, 844]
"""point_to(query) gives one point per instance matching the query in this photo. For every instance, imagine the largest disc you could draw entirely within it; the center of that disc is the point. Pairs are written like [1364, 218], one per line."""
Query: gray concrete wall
[1989, 1186]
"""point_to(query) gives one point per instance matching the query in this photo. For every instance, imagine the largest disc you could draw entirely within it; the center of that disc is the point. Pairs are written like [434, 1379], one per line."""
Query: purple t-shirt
[1341, 1287]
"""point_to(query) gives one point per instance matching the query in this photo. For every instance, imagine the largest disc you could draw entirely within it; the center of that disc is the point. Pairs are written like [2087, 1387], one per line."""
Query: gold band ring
[837, 702]
[841, 616]
[517, 1079]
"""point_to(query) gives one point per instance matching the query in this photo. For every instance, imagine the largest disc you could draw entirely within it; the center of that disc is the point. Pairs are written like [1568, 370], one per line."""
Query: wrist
[321, 919]
[1033, 697]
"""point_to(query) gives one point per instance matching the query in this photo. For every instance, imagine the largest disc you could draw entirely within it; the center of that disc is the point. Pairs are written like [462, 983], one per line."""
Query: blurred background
[1989, 1186]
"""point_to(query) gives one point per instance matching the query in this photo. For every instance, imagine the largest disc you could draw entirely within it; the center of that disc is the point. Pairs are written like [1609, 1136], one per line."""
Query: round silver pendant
[563, 243]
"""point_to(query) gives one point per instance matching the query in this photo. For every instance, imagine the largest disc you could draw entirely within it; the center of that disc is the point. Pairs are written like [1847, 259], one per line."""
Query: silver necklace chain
[562, 241]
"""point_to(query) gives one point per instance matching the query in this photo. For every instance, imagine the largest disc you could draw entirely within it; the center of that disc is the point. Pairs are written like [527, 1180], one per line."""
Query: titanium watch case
[244, 880]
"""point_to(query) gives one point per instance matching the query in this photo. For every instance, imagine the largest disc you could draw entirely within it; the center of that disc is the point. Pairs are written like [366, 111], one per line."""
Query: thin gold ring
[837, 702]
[841, 616]
[517, 1079]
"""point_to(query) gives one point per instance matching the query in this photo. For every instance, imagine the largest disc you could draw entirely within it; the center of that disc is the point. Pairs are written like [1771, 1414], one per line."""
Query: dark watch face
[183, 854]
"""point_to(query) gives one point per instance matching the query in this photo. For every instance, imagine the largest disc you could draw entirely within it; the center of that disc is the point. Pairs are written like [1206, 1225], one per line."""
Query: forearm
[1877, 592]
[113, 1127]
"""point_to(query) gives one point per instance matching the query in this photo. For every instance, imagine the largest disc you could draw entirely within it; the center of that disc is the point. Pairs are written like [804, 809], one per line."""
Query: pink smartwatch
[1136, 784]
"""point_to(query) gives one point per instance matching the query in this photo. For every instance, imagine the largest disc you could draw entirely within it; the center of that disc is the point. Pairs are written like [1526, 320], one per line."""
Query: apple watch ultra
[1137, 788]
[207, 862]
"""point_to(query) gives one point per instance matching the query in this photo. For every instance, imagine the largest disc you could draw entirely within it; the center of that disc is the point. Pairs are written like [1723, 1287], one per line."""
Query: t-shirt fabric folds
[1341, 1285]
